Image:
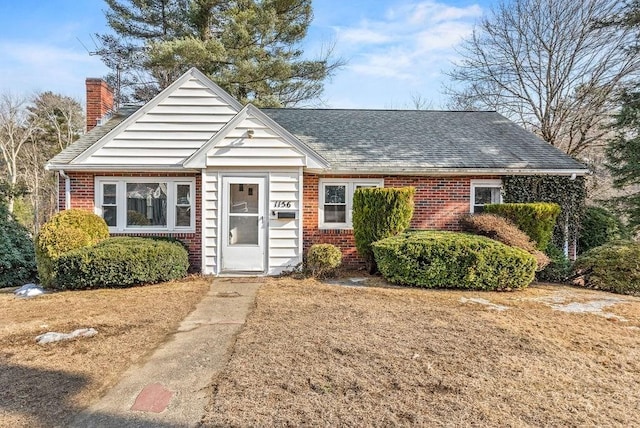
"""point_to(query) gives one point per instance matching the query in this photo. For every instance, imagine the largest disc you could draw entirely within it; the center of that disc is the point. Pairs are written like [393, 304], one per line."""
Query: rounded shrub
[599, 226]
[536, 219]
[323, 259]
[66, 231]
[121, 262]
[503, 230]
[453, 260]
[612, 267]
[17, 258]
[379, 213]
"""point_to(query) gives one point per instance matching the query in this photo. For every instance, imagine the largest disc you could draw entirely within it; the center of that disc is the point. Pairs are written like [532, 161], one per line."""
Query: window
[146, 204]
[336, 201]
[485, 192]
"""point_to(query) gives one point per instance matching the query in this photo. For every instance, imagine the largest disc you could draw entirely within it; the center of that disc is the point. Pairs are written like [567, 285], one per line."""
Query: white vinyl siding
[169, 132]
[210, 182]
[263, 148]
[285, 237]
[158, 207]
[330, 199]
[484, 192]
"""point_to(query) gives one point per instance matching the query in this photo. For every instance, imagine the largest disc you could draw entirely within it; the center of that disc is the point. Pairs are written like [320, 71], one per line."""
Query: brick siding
[439, 204]
[82, 196]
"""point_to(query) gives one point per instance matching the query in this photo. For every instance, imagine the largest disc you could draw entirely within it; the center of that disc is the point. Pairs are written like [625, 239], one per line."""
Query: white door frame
[243, 258]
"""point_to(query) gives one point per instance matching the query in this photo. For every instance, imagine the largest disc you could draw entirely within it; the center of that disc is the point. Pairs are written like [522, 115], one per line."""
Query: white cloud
[410, 42]
[29, 67]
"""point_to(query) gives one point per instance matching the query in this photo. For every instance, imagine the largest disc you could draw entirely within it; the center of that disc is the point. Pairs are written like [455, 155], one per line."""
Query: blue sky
[395, 49]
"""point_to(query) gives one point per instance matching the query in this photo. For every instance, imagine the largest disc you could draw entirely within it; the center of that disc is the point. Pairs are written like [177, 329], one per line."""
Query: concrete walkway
[170, 388]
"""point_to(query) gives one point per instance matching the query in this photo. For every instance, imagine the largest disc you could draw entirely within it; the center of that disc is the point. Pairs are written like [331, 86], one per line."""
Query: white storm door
[243, 224]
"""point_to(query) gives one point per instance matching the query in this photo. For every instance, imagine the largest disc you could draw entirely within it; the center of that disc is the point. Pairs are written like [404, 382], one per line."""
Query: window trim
[490, 183]
[121, 203]
[350, 184]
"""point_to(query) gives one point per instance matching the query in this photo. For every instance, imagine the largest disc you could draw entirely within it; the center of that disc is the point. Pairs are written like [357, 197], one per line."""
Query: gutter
[67, 189]
[573, 173]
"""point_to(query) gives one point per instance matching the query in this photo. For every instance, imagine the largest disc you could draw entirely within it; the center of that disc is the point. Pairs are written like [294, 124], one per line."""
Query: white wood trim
[121, 203]
[350, 184]
[492, 183]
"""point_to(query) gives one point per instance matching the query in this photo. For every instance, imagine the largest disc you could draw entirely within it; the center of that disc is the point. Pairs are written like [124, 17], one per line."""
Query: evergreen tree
[623, 154]
[249, 47]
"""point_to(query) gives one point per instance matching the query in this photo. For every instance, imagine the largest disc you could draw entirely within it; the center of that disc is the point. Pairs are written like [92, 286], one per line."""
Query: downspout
[566, 231]
[67, 189]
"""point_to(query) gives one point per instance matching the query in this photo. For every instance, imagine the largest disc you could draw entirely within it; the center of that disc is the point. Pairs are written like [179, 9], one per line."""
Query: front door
[243, 224]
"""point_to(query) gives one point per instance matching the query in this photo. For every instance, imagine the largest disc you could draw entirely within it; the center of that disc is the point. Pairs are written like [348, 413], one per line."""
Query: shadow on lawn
[45, 395]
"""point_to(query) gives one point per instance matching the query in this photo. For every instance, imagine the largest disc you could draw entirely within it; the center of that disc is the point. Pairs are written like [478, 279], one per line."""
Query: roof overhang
[116, 168]
[452, 171]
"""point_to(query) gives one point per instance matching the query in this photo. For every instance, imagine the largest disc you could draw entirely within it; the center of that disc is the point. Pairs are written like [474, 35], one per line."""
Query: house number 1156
[281, 204]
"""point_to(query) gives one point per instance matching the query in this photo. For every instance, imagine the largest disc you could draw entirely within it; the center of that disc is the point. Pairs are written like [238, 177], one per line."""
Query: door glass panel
[243, 198]
[243, 230]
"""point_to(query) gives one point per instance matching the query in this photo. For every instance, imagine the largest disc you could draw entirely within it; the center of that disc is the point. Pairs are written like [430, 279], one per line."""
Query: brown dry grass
[324, 355]
[44, 385]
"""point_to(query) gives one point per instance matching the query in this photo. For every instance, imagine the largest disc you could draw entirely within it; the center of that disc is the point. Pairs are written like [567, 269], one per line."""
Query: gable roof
[177, 129]
[158, 135]
[257, 117]
[422, 141]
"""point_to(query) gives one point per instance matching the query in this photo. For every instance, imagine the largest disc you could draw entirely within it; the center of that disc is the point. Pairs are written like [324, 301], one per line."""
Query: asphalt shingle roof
[396, 140]
[91, 137]
[402, 140]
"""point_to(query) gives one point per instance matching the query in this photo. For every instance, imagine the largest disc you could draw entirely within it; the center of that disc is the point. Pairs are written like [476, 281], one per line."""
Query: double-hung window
[155, 204]
[484, 192]
[336, 201]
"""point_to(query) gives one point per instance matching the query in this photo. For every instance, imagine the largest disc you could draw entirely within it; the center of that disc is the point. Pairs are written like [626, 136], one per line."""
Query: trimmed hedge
[379, 213]
[535, 219]
[453, 260]
[323, 259]
[17, 258]
[600, 226]
[503, 230]
[121, 262]
[612, 267]
[66, 231]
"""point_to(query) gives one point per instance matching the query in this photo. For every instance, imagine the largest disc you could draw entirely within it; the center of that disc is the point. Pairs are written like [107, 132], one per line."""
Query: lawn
[45, 385]
[328, 355]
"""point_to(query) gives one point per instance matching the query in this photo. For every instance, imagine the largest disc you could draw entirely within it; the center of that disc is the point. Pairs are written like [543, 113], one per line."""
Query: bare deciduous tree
[549, 66]
[15, 131]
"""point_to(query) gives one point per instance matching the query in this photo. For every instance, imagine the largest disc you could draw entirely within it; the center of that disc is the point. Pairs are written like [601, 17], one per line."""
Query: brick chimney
[99, 100]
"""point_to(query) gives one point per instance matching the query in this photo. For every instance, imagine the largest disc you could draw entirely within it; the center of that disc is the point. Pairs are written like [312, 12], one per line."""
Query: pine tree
[249, 47]
[623, 154]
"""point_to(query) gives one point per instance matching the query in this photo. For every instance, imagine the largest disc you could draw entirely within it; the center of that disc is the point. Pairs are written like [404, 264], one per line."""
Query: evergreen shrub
[323, 259]
[600, 226]
[559, 269]
[379, 213]
[66, 231]
[17, 258]
[612, 267]
[432, 259]
[536, 219]
[121, 262]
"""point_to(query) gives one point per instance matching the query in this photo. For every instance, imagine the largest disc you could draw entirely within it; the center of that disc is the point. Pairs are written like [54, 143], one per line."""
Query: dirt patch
[44, 385]
[316, 354]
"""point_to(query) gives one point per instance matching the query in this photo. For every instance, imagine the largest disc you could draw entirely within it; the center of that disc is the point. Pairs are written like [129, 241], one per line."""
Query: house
[249, 190]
